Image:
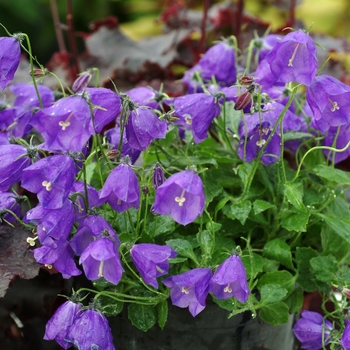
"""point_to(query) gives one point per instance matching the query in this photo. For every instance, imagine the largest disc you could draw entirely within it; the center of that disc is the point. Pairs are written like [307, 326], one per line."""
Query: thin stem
[58, 26]
[72, 43]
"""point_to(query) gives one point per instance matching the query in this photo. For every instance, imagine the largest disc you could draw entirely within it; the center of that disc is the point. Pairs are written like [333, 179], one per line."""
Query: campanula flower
[328, 99]
[230, 280]
[151, 261]
[145, 96]
[345, 338]
[293, 59]
[51, 178]
[190, 289]
[143, 127]
[121, 189]
[9, 59]
[91, 330]
[181, 196]
[310, 329]
[58, 325]
[101, 259]
[9, 201]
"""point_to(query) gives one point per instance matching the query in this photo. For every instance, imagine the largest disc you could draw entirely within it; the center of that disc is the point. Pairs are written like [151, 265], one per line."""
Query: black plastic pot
[209, 330]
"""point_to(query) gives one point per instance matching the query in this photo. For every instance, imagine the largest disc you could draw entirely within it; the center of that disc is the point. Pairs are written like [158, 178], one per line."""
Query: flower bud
[158, 176]
[243, 100]
[246, 80]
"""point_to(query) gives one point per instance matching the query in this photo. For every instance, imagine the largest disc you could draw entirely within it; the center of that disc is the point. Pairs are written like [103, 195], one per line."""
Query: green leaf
[278, 250]
[270, 265]
[295, 135]
[294, 194]
[277, 313]
[296, 222]
[211, 187]
[338, 225]
[195, 160]
[253, 264]
[325, 268]
[143, 317]
[227, 304]
[259, 206]
[161, 225]
[206, 242]
[334, 175]
[272, 293]
[239, 211]
[295, 300]
[162, 309]
[332, 243]
[283, 278]
[244, 170]
[183, 248]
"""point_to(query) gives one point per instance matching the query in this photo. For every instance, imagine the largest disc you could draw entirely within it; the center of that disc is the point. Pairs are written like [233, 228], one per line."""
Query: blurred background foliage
[138, 17]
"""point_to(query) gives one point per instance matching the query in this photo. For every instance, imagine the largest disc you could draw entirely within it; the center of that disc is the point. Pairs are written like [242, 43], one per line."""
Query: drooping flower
[312, 330]
[145, 96]
[91, 331]
[151, 261]
[59, 324]
[9, 201]
[342, 138]
[196, 113]
[345, 338]
[51, 178]
[101, 259]
[190, 289]
[181, 196]
[10, 57]
[230, 279]
[66, 125]
[121, 189]
[328, 99]
[266, 44]
[293, 59]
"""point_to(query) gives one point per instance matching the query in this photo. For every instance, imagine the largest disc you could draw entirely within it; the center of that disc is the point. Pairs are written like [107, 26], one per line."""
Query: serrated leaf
[161, 225]
[239, 211]
[277, 313]
[253, 264]
[277, 249]
[295, 300]
[272, 293]
[143, 317]
[162, 309]
[338, 225]
[294, 194]
[283, 278]
[183, 248]
[335, 175]
[296, 222]
[259, 206]
[325, 268]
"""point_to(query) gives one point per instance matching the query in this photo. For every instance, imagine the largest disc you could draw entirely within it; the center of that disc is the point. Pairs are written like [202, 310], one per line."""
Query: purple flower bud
[310, 329]
[328, 99]
[230, 280]
[143, 127]
[81, 82]
[101, 259]
[58, 326]
[9, 59]
[244, 99]
[51, 178]
[151, 261]
[158, 176]
[294, 59]
[345, 338]
[91, 331]
[181, 196]
[121, 189]
[190, 289]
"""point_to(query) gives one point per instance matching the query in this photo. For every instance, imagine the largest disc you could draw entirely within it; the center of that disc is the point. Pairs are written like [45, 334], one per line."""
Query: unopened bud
[113, 154]
[246, 80]
[81, 82]
[243, 101]
[38, 73]
[158, 176]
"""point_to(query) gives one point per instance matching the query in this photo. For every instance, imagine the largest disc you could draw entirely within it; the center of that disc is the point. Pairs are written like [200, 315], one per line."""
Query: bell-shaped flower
[145, 96]
[9, 59]
[9, 201]
[66, 125]
[266, 44]
[190, 289]
[106, 106]
[345, 338]
[121, 189]
[196, 113]
[51, 179]
[59, 324]
[329, 99]
[151, 261]
[230, 280]
[13, 160]
[312, 330]
[101, 259]
[294, 59]
[181, 196]
[143, 127]
[91, 330]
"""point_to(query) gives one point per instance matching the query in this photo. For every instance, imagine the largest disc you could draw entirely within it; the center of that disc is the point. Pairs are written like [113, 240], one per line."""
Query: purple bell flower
[101, 259]
[143, 127]
[121, 189]
[9, 201]
[266, 44]
[13, 160]
[110, 103]
[181, 196]
[328, 99]
[230, 280]
[151, 261]
[66, 125]
[91, 330]
[51, 179]
[294, 59]
[58, 325]
[310, 328]
[190, 289]
[9, 59]
[342, 140]
[345, 338]
[196, 112]
[144, 96]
